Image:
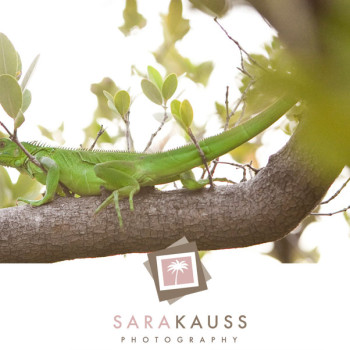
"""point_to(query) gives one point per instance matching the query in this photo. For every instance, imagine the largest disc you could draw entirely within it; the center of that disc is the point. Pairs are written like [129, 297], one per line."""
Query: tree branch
[263, 209]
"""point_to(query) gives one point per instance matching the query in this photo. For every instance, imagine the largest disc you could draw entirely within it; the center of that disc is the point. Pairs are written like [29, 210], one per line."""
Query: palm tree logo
[177, 266]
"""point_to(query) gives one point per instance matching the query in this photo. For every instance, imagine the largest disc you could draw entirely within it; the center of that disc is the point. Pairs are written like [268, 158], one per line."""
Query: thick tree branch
[260, 210]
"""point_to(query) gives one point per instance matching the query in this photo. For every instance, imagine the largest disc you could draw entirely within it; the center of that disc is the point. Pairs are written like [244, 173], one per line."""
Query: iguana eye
[2, 144]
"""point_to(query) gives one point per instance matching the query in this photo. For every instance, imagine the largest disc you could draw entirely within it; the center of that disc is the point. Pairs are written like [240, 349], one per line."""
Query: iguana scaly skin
[83, 172]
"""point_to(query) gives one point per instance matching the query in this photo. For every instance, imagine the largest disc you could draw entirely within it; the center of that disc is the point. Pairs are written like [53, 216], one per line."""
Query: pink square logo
[177, 271]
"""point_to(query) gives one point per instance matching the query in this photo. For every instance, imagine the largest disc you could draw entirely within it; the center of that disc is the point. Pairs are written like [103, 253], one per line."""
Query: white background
[71, 305]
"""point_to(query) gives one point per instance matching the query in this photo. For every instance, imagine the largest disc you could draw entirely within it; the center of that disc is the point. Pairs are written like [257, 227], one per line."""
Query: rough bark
[261, 210]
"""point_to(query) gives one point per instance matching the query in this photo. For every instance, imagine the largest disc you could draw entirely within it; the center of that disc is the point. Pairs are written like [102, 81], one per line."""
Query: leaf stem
[100, 132]
[165, 118]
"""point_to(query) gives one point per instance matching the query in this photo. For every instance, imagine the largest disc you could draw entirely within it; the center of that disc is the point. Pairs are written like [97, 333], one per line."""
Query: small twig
[249, 166]
[201, 153]
[13, 137]
[241, 49]
[242, 113]
[129, 141]
[165, 118]
[336, 193]
[101, 131]
[242, 99]
[330, 199]
[237, 105]
[7, 130]
[228, 115]
[243, 96]
[243, 70]
[330, 214]
[212, 171]
[241, 166]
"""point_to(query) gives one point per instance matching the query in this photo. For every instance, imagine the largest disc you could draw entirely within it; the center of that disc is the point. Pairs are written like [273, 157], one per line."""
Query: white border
[160, 258]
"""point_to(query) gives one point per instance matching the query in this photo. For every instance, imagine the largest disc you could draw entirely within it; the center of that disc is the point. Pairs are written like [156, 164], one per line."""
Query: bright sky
[79, 43]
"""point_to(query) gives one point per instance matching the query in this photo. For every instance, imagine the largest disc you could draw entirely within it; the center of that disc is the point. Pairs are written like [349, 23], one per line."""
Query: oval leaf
[186, 113]
[160, 117]
[111, 106]
[155, 77]
[151, 91]
[19, 120]
[108, 96]
[175, 111]
[29, 72]
[27, 99]
[19, 67]
[122, 102]
[10, 95]
[169, 86]
[175, 107]
[8, 57]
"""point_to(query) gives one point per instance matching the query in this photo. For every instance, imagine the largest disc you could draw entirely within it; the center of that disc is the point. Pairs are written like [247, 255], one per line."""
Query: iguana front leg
[52, 179]
[119, 177]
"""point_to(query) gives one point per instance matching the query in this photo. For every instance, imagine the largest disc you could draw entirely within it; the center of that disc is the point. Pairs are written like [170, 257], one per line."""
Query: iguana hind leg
[119, 177]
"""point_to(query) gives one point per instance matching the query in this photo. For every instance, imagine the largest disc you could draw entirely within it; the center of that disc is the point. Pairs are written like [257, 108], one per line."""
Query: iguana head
[10, 154]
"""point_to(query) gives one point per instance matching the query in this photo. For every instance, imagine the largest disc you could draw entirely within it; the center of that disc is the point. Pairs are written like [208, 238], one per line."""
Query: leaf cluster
[157, 89]
[15, 98]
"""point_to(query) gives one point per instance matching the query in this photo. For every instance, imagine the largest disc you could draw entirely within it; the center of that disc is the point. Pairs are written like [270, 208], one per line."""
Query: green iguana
[83, 172]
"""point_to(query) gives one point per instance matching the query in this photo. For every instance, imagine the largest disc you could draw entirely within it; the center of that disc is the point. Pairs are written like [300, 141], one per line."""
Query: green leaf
[26, 187]
[169, 86]
[175, 107]
[131, 17]
[108, 96]
[159, 117]
[54, 135]
[6, 189]
[29, 72]
[186, 112]
[19, 120]
[10, 95]
[102, 110]
[202, 72]
[122, 102]
[45, 132]
[19, 67]
[92, 130]
[174, 62]
[8, 57]
[347, 217]
[151, 91]
[155, 77]
[111, 106]
[27, 99]
[176, 26]
[213, 8]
